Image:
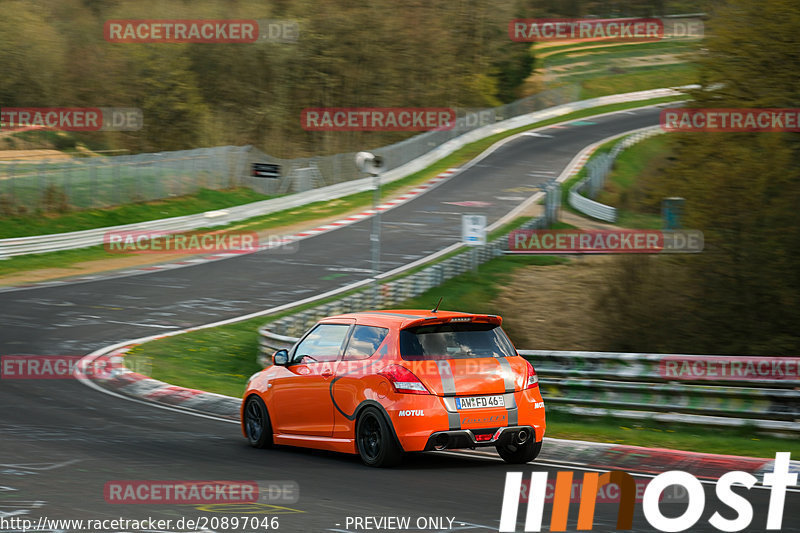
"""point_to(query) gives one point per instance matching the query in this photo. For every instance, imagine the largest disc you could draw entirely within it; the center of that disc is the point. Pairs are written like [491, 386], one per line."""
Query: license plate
[480, 402]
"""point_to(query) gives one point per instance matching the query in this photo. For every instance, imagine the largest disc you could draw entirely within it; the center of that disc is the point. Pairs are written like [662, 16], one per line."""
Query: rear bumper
[468, 438]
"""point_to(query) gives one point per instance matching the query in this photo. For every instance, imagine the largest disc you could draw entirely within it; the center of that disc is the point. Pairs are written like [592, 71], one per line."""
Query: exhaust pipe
[522, 436]
[441, 442]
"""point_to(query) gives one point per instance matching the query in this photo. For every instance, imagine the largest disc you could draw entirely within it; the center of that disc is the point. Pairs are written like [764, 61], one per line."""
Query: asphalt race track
[61, 442]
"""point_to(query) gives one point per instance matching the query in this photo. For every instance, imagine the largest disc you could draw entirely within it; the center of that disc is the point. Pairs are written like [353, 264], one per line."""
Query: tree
[742, 190]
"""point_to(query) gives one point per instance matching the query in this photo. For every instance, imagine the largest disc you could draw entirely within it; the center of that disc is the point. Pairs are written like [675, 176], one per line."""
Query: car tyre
[375, 440]
[520, 453]
[257, 425]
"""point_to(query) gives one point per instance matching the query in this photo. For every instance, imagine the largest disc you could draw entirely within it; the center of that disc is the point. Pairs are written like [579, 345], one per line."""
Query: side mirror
[280, 358]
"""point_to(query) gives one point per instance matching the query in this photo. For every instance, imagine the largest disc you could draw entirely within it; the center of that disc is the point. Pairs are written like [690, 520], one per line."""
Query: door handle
[327, 373]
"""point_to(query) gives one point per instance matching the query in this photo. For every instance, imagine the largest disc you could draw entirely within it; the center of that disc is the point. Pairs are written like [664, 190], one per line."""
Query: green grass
[631, 219]
[731, 441]
[474, 291]
[606, 71]
[640, 79]
[215, 360]
[314, 211]
[623, 182]
[203, 200]
[608, 53]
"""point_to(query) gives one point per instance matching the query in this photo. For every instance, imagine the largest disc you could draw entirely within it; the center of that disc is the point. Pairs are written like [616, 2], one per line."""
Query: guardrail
[598, 168]
[635, 386]
[94, 237]
[83, 239]
[671, 387]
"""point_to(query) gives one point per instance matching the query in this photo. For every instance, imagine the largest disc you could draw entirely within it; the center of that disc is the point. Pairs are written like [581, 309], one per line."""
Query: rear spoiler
[434, 319]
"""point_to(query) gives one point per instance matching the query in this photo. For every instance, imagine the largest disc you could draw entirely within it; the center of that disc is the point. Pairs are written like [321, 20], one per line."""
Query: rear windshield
[454, 341]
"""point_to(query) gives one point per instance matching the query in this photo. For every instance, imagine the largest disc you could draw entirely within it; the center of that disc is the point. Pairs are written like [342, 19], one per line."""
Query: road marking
[38, 467]
[141, 325]
[534, 134]
[247, 508]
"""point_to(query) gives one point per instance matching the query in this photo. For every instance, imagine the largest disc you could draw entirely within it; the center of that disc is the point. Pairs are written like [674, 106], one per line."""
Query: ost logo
[779, 479]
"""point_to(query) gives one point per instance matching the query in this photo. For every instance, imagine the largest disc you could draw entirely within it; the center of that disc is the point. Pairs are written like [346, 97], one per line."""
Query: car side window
[364, 342]
[322, 344]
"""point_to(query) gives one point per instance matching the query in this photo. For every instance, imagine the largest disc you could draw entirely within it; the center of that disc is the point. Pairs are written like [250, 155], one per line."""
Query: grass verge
[625, 189]
[640, 79]
[610, 68]
[204, 200]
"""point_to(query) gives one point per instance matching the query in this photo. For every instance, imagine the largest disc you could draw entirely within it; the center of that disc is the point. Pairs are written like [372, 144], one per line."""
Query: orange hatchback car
[381, 383]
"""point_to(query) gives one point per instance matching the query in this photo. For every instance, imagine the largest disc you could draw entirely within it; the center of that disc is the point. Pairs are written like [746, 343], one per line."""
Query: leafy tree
[742, 191]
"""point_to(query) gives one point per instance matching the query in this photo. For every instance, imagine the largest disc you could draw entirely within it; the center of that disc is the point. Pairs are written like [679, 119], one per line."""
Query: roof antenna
[437, 305]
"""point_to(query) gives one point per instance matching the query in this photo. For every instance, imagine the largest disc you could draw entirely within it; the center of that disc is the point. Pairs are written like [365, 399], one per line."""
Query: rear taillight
[403, 380]
[531, 379]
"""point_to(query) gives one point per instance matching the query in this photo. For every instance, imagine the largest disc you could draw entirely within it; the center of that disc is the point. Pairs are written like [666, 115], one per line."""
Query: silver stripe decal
[453, 420]
[448, 381]
[511, 409]
[508, 373]
[512, 416]
[449, 389]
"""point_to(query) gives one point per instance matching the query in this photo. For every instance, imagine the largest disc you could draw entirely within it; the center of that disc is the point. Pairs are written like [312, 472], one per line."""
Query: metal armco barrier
[668, 388]
[638, 367]
[628, 385]
[597, 169]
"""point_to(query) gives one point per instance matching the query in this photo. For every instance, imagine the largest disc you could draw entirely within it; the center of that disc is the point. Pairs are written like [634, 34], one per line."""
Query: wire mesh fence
[96, 182]
[28, 186]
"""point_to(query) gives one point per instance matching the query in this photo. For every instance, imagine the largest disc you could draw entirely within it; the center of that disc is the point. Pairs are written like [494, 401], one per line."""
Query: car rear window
[454, 341]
